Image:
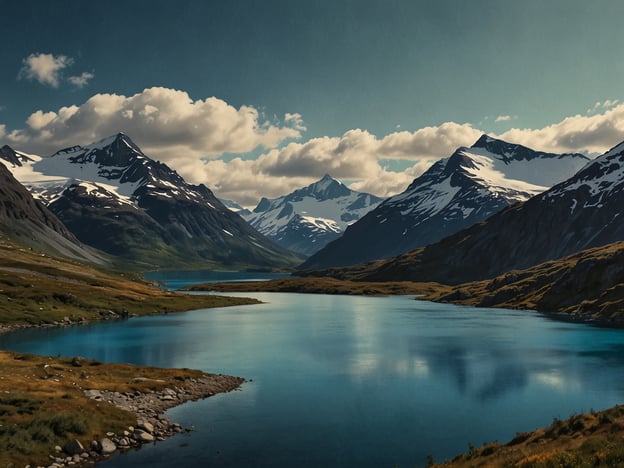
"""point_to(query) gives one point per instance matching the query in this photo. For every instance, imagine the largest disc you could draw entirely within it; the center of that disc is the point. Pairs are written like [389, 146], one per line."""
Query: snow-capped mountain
[307, 219]
[27, 221]
[114, 197]
[582, 212]
[455, 193]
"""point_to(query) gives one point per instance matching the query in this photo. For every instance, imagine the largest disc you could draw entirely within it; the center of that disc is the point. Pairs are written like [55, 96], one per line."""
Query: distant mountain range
[307, 219]
[464, 189]
[582, 212]
[111, 196]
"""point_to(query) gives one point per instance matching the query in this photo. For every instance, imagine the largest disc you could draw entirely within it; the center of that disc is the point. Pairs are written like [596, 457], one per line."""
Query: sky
[258, 98]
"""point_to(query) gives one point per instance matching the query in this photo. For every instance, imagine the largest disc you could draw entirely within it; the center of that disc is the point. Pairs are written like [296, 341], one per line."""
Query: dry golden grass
[585, 440]
[588, 285]
[37, 289]
[42, 403]
[312, 285]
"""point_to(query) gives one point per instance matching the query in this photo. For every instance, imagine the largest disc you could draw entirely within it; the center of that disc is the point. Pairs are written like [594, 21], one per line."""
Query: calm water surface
[179, 279]
[354, 381]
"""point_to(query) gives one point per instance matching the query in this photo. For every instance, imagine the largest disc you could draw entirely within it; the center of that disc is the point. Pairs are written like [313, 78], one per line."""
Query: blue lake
[354, 381]
[179, 279]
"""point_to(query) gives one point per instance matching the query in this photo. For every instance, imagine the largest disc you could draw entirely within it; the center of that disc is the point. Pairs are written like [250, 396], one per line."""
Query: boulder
[107, 446]
[143, 436]
[93, 394]
[73, 447]
[146, 426]
[78, 361]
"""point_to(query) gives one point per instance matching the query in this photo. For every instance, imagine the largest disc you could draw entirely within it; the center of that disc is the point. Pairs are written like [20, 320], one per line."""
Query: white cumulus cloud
[503, 118]
[590, 134]
[44, 68]
[353, 156]
[168, 124]
[82, 80]
[47, 69]
[191, 135]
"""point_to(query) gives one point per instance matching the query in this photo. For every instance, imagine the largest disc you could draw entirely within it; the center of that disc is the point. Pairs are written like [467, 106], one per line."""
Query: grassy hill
[42, 403]
[588, 285]
[37, 289]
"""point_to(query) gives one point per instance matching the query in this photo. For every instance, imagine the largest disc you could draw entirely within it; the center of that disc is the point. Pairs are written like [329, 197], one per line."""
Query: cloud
[592, 134]
[47, 69]
[607, 104]
[166, 123]
[353, 156]
[295, 120]
[428, 142]
[191, 135]
[503, 118]
[82, 80]
[387, 183]
[356, 155]
[44, 68]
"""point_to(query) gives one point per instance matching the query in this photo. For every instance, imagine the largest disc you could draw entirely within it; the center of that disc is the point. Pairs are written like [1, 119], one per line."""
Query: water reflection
[341, 381]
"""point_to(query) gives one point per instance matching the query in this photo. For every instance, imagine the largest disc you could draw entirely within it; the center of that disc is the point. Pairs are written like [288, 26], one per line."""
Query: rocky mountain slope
[588, 285]
[455, 193]
[112, 196]
[307, 219]
[579, 213]
[25, 220]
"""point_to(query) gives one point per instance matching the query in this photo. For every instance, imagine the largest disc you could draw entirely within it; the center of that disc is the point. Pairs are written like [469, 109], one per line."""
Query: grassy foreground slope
[42, 400]
[38, 289]
[43, 403]
[584, 440]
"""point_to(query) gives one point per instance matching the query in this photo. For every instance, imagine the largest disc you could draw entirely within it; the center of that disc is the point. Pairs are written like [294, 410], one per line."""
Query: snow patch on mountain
[306, 219]
[466, 188]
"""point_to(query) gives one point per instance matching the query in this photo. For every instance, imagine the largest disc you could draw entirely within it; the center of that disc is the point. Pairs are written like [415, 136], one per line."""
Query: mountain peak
[327, 188]
[484, 140]
[119, 140]
[508, 152]
[13, 157]
[8, 154]
[500, 147]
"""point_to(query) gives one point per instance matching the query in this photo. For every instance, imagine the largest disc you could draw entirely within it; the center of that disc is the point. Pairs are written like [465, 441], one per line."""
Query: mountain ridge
[454, 193]
[548, 226]
[29, 222]
[308, 218]
[152, 216]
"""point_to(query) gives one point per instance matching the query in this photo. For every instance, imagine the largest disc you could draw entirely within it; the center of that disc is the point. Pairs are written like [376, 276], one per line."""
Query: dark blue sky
[379, 66]
[342, 64]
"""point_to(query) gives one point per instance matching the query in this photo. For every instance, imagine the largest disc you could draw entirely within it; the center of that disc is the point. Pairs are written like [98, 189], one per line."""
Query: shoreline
[149, 408]
[433, 292]
[83, 411]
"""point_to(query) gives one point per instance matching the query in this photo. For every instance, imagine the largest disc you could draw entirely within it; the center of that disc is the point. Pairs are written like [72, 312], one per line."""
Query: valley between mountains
[495, 224]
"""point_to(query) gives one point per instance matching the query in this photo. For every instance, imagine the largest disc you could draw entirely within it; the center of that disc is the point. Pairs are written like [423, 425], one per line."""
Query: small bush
[63, 424]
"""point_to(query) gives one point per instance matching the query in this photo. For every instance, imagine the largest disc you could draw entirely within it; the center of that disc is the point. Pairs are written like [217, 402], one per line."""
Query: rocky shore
[151, 425]
[67, 321]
